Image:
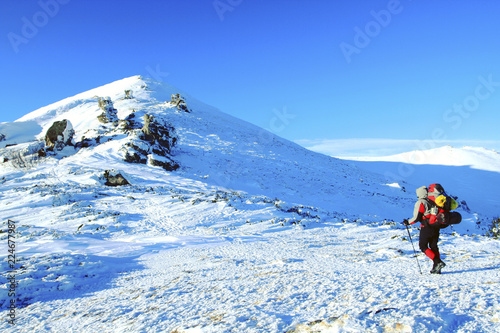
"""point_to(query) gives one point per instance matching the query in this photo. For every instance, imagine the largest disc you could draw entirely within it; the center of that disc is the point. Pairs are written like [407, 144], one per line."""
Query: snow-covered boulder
[114, 178]
[59, 135]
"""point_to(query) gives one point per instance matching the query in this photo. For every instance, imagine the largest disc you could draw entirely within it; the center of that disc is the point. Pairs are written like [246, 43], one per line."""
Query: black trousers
[429, 237]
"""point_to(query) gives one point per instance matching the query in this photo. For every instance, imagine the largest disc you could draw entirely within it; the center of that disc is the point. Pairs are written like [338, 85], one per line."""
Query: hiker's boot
[435, 261]
[437, 268]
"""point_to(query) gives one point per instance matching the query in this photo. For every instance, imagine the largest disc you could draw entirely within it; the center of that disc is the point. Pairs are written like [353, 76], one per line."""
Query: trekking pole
[413, 249]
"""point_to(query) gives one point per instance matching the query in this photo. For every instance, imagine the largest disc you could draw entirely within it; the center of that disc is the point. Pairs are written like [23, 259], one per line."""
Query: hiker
[432, 219]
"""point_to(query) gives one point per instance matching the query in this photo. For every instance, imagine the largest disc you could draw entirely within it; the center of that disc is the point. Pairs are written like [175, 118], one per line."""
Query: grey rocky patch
[109, 112]
[129, 123]
[179, 102]
[157, 131]
[23, 156]
[165, 162]
[152, 144]
[131, 156]
[128, 94]
[84, 142]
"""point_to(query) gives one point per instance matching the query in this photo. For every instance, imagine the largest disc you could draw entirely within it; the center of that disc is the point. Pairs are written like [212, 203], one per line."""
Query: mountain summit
[139, 120]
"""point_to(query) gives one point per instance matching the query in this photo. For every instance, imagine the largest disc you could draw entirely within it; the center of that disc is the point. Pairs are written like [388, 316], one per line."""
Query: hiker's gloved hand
[405, 222]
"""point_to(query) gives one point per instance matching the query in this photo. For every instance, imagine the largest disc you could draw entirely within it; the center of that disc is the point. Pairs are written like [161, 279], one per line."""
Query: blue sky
[391, 75]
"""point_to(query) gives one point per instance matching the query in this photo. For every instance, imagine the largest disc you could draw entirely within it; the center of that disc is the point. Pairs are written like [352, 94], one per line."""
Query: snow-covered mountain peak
[82, 109]
[206, 145]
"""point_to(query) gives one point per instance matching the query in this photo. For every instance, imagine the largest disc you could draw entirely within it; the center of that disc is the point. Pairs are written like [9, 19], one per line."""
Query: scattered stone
[129, 123]
[179, 102]
[134, 157]
[114, 178]
[333, 324]
[162, 161]
[84, 142]
[109, 112]
[128, 94]
[42, 153]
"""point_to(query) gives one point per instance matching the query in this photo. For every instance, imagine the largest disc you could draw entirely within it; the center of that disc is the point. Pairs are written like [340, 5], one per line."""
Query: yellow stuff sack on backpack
[446, 202]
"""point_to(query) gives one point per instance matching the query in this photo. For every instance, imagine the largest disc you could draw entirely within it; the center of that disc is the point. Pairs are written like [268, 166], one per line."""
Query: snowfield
[251, 234]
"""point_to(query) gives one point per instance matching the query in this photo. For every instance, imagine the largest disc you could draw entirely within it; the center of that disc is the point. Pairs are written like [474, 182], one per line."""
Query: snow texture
[252, 233]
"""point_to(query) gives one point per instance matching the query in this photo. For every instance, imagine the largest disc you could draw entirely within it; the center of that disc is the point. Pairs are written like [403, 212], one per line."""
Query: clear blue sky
[331, 69]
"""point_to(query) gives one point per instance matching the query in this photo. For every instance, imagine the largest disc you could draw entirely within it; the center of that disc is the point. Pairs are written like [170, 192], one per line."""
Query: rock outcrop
[109, 112]
[129, 123]
[59, 135]
[152, 144]
[179, 102]
[114, 178]
[160, 133]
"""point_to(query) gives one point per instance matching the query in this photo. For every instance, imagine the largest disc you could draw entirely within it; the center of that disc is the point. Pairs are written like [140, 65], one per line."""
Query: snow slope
[471, 173]
[224, 151]
[252, 234]
[18, 132]
[474, 157]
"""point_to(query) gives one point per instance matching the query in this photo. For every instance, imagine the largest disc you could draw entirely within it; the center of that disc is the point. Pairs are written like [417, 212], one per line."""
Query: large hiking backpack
[437, 195]
[443, 204]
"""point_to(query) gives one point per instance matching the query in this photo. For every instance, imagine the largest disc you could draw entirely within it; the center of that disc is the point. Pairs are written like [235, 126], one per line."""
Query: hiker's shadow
[473, 270]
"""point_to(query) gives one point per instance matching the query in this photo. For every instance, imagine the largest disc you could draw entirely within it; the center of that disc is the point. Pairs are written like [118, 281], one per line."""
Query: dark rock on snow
[59, 135]
[114, 178]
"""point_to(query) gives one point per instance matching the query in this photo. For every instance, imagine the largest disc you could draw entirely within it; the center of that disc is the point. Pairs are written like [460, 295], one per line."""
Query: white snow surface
[18, 132]
[474, 157]
[252, 234]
